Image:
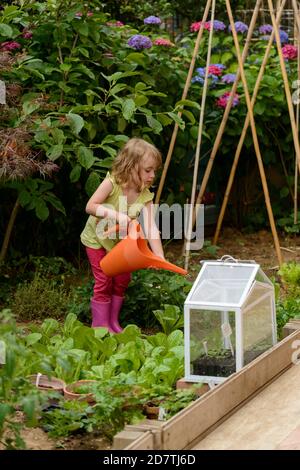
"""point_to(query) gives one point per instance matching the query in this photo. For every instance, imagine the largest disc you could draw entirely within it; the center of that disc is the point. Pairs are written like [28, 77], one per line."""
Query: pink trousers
[105, 286]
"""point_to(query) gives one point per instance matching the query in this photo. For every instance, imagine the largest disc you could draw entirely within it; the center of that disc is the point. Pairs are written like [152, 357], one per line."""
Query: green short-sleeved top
[117, 201]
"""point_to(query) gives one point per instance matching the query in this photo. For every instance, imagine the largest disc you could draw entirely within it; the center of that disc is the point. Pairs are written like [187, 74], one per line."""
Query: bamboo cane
[226, 112]
[184, 95]
[296, 14]
[200, 130]
[297, 41]
[286, 85]
[245, 128]
[254, 133]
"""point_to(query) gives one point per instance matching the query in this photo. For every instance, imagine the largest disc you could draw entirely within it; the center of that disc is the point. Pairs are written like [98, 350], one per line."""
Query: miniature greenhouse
[229, 319]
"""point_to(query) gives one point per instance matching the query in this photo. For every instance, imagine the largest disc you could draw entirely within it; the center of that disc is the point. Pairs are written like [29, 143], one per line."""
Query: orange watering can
[132, 253]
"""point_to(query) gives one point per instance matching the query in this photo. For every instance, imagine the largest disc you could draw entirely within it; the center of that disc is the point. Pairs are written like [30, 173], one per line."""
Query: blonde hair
[129, 159]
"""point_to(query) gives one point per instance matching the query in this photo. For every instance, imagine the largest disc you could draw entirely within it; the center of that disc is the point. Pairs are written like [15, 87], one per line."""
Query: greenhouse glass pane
[212, 343]
[261, 277]
[222, 284]
[257, 326]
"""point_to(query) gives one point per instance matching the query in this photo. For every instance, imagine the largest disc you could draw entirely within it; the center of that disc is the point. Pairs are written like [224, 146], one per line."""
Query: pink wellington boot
[116, 304]
[101, 314]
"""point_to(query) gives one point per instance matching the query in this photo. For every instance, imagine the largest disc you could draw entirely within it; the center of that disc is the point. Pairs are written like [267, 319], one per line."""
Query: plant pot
[43, 382]
[72, 391]
[151, 411]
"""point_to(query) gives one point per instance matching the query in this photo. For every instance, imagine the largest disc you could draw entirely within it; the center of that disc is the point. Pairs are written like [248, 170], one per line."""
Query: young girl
[121, 197]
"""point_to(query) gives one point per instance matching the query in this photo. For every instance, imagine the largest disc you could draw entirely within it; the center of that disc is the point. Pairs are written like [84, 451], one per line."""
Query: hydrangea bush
[86, 82]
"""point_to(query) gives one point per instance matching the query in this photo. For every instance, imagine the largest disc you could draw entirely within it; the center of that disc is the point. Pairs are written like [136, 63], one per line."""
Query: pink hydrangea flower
[163, 42]
[215, 70]
[79, 14]
[27, 34]
[289, 51]
[222, 101]
[197, 25]
[9, 45]
[117, 24]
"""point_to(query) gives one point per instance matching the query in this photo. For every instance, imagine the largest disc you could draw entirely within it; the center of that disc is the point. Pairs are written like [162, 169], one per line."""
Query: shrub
[39, 299]
[148, 290]
[288, 306]
[79, 302]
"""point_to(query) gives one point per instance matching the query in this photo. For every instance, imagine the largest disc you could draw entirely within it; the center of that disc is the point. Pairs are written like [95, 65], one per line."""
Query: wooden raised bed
[202, 416]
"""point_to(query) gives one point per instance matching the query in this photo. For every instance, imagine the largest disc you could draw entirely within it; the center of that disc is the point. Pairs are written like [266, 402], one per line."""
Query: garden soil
[37, 439]
[257, 246]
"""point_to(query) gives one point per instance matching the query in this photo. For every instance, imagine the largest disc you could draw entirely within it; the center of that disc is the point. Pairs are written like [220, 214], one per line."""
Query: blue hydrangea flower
[265, 29]
[229, 78]
[220, 66]
[152, 20]
[240, 27]
[201, 71]
[201, 74]
[198, 79]
[284, 37]
[139, 42]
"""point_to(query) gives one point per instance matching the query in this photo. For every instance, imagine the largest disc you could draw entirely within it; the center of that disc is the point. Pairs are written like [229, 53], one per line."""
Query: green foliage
[148, 289]
[53, 267]
[171, 318]
[84, 92]
[289, 225]
[287, 308]
[80, 299]
[39, 299]
[130, 368]
[71, 416]
[16, 393]
[288, 305]
[16, 272]
[119, 401]
[290, 276]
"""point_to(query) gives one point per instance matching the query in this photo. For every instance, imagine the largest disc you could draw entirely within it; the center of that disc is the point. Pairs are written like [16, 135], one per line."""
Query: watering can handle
[228, 259]
[113, 229]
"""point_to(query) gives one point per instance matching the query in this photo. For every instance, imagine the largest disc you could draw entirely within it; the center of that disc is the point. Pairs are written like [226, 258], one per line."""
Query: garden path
[271, 420]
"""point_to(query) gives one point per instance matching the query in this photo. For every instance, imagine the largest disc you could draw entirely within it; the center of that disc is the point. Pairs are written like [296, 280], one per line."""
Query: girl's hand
[124, 221]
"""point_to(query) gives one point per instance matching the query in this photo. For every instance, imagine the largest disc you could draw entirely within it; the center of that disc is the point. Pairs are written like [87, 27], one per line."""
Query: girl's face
[147, 169]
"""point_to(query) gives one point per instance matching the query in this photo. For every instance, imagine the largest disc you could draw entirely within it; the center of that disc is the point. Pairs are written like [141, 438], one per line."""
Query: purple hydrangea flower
[152, 20]
[240, 27]
[139, 42]
[229, 78]
[217, 25]
[265, 29]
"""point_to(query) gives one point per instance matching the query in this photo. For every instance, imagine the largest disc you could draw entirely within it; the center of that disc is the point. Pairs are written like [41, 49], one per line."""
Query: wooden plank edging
[144, 442]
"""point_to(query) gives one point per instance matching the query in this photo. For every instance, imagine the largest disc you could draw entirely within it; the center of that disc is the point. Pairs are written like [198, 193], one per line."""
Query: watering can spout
[132, 253]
